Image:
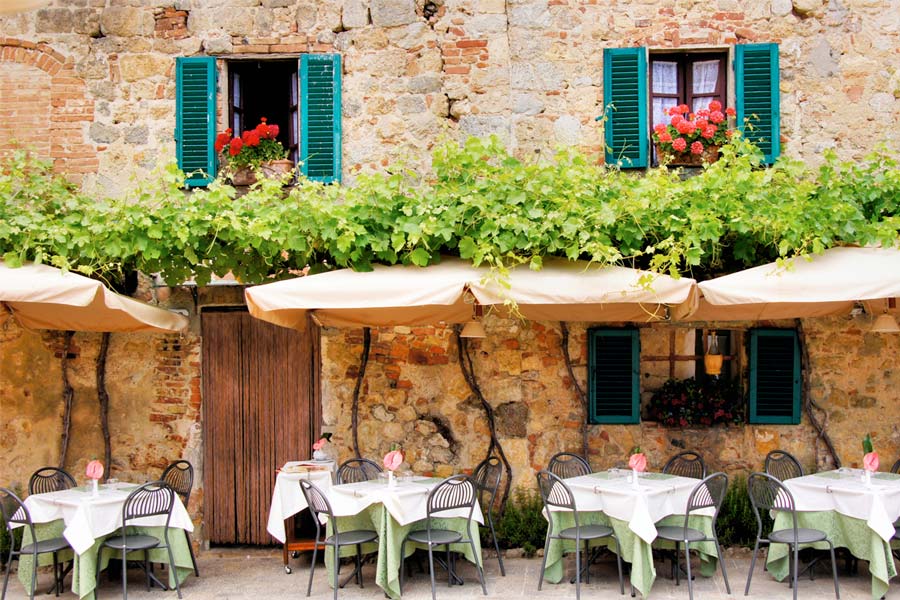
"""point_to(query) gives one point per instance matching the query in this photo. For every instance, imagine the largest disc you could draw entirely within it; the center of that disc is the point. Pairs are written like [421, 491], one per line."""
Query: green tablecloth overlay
[844, 532]
[635, 551]
[84, 572]
[390, 535]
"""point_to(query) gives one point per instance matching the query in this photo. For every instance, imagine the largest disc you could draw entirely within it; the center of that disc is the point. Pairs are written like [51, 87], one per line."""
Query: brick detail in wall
[45, 107]
[461, 53]
[177, 386]
[171, 23]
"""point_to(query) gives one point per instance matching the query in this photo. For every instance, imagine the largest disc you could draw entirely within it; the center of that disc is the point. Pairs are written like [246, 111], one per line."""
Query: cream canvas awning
[409, 295]
[43, 297]
[827, 284]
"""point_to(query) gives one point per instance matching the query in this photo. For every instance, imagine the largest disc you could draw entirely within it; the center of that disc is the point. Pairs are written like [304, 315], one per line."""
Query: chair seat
[438, 537]
[586, 532]
[804, 536]
[43, 546]
[351, 538]
[679, 534]
[132, 542]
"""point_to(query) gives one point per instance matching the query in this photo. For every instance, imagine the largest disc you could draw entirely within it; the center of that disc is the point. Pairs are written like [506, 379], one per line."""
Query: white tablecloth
[287, 498]
[88, 518]
[406, 500]
[878, 503]
[657, 496]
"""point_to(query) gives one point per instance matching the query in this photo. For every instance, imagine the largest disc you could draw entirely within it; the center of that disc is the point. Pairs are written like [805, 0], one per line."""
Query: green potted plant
[692, 139]
[253, 152]
[688, 402]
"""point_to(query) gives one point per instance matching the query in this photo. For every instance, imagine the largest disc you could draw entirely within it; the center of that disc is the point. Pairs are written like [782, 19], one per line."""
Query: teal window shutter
[757, 96]
[320, 113]
[625, 106]
[774, 376]
[613, 376]
[195, 118]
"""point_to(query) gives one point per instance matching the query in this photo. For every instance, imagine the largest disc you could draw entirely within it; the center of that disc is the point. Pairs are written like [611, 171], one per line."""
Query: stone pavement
[257, 574]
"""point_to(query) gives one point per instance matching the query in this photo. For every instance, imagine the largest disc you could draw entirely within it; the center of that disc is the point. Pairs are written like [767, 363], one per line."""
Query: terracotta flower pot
[269, 169]
[687, 159]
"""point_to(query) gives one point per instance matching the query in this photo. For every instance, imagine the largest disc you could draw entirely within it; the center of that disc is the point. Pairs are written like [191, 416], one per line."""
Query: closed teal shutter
[774, 376]
[757, 96]
[320, 113]
[195, 118]
[625, 106]
[613, 375]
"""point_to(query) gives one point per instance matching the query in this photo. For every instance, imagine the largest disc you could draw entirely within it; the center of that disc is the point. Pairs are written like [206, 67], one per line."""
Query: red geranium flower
[251, 137]
[679, 144]
[730, 112]
[659, 128]
[716, 116]
[235, 146]
[697, 148]
[222, 140]
[665, 137]
[715, 105]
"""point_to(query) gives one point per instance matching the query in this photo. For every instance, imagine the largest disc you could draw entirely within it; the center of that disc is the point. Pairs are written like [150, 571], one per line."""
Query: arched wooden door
[260, 409]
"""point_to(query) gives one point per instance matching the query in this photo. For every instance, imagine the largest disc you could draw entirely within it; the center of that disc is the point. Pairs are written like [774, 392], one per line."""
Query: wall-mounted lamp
[712, 360]
[474, 328]
[885, 322]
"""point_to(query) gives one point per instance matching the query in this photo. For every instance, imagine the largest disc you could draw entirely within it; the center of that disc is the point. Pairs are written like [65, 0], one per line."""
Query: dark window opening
[265, 88]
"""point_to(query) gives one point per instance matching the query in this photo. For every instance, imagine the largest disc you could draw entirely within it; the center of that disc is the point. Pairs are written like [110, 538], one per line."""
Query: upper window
[302, 96]
[635, 97]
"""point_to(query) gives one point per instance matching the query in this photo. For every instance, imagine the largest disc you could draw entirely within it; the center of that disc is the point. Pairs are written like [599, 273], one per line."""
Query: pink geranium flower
[638, 462]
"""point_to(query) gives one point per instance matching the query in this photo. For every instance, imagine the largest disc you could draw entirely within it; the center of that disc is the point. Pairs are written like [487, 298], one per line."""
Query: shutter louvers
[774, 377]
[320, 113]
[195, 122]
[757, 96]
[613, 376]
[625, 106]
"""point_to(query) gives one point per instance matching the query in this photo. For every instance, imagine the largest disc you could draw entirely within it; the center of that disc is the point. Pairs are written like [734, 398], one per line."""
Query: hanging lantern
[712, 360]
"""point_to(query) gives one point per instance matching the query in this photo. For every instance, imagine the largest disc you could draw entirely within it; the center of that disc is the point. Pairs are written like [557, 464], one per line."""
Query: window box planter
[687, 159]
[271, 169]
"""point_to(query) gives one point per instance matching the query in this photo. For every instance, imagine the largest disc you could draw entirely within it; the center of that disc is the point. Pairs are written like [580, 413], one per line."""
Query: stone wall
[414, 394]
[529, 71]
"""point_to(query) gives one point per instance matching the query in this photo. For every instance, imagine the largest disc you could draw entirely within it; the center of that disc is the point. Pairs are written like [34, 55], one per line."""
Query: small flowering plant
[251, 148]
[870, 458]
[320, 443]
[393, 459]
[693, 133]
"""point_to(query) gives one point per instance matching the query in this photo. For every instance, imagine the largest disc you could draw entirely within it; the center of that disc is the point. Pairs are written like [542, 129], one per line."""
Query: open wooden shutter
[774, 376]
[625, 106]
[320, 113]
[757, 96]
[613, 375]
[195, 119]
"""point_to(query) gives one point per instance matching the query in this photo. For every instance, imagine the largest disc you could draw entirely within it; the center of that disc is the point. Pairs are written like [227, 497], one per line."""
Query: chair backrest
[568, 464]
[782, 466]
[180, 477]
[768, 494]
[14, 513]
[487, 480]
[709, 493]
[452, 493]
[358, 469]
[149, 500]
[896, 467]
[318, 505]
[555, 494]
[50, 479]
[686, 464]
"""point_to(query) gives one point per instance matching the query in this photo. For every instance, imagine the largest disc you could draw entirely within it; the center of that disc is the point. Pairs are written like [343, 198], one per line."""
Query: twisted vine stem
[103, 397]
[68, 397]
[354, 407]
[467, 367]
[812, 407]
[579, 391]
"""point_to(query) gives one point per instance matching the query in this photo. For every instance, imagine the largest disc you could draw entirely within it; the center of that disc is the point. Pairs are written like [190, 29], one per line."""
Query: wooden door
[260, 409]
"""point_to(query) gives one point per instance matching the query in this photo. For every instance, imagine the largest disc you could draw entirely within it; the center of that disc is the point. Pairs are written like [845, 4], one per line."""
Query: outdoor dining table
[85, 521]
[855, 515]
[610, 498]
[394, 510]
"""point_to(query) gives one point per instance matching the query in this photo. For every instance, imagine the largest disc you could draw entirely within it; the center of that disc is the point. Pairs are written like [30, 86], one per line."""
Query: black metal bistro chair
[487, 479]
[709, 493]
[768, 494]
[180, 477]
[14, 515]
[149, 500]
[686, 464]
[782, 465]
[452, 494]
[319, 505]
[556, 494]
[568, 464]
[358, 469]
[50, 479]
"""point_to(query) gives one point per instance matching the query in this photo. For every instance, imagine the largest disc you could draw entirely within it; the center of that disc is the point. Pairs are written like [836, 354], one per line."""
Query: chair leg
[837, 592]
[8, 569]
[577, 568]
[722, 563]
[402, 564]
[677, 563]
[544, 561]
[34, 569]
[172, 569]
[479, 567]
[312, 568]
[124, 577]
[496, 544]
[796, 570]
[431, 570]
[449, 568]
[619, 565]
[752, 566]
[687, 562]
[147, 568]
[359, 565]
[187, 536]
[337, 567]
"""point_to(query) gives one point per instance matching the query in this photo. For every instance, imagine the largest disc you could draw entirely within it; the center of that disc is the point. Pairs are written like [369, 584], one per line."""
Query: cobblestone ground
[250, 573]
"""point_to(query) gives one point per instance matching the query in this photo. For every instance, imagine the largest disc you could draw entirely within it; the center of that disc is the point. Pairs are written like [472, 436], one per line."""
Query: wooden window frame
[685, 59]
